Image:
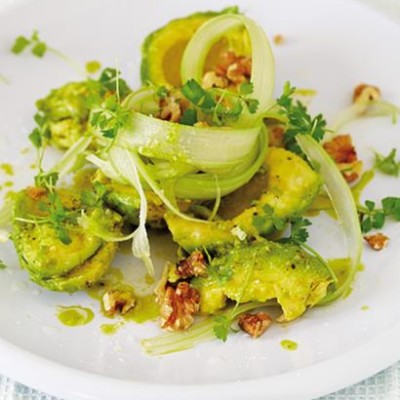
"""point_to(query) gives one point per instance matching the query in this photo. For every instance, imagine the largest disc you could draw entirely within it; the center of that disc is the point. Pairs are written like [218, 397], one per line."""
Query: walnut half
[178, 306]
[255, 324]
[193, 265]
[377, 241]
[118, 302]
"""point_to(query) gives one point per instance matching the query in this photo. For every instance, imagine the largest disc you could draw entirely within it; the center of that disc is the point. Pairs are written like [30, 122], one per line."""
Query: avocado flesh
[66, 112]
[50, 262]
[291, 186]
[126, 201]
[82, 276]
[264, 271]
[163, 49]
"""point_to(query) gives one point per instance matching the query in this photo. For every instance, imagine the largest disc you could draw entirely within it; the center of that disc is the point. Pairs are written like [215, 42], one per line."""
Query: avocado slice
[82, 276]
[126, 201]
[290, 187]
[51, 262]
[262, 271]
[163, 49]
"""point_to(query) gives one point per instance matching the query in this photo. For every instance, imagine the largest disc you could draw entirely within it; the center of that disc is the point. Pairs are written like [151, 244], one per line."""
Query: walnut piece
[235, 69]
[278, 39]
[365, 93]
[377, 241]
[212, 80]
[118, 302]
[178, 306]
[193, 265]
[170, 109]
[255, 324]
[35, 193]
[341, 149]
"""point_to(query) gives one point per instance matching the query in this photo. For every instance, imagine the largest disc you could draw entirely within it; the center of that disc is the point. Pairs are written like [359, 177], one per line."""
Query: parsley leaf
[2, 265]
[222, 326]
[46, 180]
[298, 232]
[387, 164]
[38, 47]
[111, 80]
[246, 88]
[189, 117]
[372, 217]
[110, 117]
[299, 122]
[391, 207]
[20, 44]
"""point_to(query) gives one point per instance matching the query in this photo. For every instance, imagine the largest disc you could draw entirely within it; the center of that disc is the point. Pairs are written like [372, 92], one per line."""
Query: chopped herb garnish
[111, 80]
[372, 217]
[2, 265]
[222, 326]
[162, 92]
[298, 121]
[189, 117]
[387, 164]
[58, 216]
[110, 117]
[220, 106]
[298, 231]
[38, 47]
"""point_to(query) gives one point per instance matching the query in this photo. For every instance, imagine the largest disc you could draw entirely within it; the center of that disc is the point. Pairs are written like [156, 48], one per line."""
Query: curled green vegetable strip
[343, 203]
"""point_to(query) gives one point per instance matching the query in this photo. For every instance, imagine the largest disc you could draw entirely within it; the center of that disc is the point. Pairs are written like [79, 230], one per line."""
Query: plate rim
[27, 367]
[302, 381]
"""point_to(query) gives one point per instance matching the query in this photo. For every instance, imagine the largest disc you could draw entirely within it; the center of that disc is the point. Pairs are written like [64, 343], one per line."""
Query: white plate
[331, 46]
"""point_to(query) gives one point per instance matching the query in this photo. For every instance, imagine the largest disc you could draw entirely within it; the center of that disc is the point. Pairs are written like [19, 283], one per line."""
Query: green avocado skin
[264, 271]
[146, 74]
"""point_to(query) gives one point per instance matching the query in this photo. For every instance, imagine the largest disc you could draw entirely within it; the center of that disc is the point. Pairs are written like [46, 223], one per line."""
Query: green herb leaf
[110, 79]
[298, 231]
[20, 44]
[246, 88]
[46, 180]
[193, 91]
[39, 49]
[162, 92]
[222, 326]
[299, 122]
[2, 265]
[387, 164]
[36, 138]
[189, 117]
[391, 207]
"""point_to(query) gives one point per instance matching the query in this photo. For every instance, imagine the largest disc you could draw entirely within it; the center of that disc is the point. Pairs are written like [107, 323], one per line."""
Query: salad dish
[210, 157]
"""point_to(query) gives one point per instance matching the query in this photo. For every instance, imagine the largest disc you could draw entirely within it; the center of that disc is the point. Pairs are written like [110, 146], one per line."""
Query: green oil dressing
[110, 329]
[364, 308]
[7, 169]
[289, 345]
[146, 309]
[74, 315]
[113, 279]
